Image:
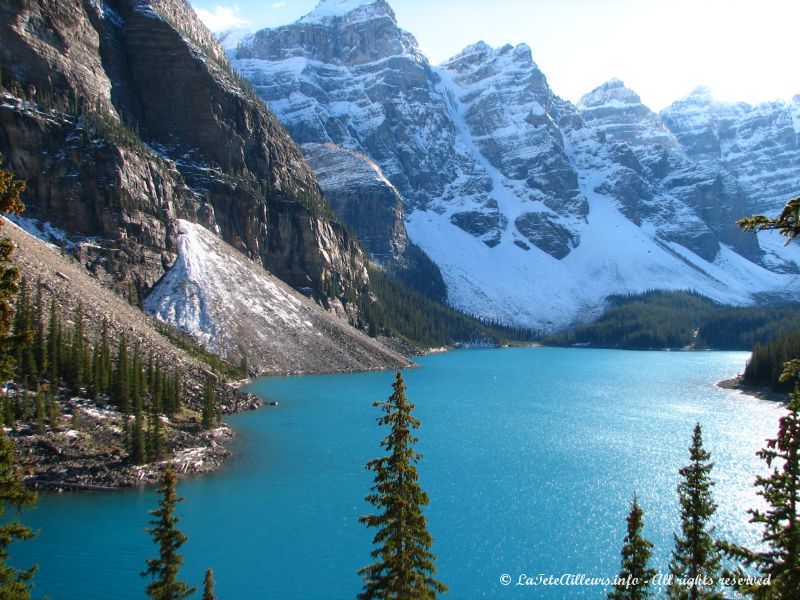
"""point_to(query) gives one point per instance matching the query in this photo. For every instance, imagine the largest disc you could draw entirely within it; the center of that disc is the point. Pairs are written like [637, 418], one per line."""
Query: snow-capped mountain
[534, 209]
[759, 145]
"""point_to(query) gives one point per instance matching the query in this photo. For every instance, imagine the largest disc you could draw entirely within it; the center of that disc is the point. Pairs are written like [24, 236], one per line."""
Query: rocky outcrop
[276, 329]
[362, 197]
[157, 125]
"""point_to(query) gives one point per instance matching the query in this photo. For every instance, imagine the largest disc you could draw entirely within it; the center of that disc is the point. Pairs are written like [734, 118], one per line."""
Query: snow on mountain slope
[759, 145]
[534, 209]
[236, 308]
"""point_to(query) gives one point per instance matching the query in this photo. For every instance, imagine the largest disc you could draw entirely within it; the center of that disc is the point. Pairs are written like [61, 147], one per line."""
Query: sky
[743, 50]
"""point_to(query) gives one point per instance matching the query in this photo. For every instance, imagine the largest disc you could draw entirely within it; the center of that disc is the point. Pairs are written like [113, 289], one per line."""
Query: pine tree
[208, 586]
[404, 563]
[14, 584]
[163, 570]
[78, 352]
[695, 559]
[122, 378]
[209, 411]
[635, 576]
[10, 202]
[53, 344]
[40, 339]
[780, 562]
[24, 337]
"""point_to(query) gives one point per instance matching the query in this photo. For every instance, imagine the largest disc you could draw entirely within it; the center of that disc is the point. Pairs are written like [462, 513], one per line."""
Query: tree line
[665, 319]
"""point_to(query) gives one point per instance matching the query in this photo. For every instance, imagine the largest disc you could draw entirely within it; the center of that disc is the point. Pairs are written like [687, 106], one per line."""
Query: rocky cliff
[534, 209]
[124, 115]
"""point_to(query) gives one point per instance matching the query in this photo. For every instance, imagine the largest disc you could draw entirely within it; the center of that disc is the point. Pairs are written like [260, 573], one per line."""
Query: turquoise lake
[531, 457]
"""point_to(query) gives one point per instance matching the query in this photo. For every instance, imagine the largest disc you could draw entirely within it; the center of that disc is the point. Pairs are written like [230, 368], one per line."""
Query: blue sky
[742, 50]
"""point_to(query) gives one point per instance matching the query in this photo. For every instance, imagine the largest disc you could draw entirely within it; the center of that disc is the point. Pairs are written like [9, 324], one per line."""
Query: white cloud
[278, 4]
[221, 18]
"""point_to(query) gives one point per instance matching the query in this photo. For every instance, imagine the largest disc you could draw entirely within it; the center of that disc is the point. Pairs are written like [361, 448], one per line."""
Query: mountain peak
[354, 10]
[612, 92]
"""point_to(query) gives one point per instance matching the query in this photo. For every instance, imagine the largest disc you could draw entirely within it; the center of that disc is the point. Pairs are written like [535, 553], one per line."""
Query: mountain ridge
[483, 152]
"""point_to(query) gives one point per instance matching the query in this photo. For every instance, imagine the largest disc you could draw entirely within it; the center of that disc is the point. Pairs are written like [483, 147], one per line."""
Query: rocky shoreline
[87, 449]
[762, 393]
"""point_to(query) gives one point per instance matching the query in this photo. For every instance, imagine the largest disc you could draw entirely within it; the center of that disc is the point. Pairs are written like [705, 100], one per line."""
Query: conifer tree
[10, 202]
[122, 378]
[209, 411]
[53, 344]
[208, 586]
[695, 558]
[163, 570]
[14, 584]
[636, 575]
[24, 337]
[78, 352]
[40, 340]
[781, 491]
[404, 564]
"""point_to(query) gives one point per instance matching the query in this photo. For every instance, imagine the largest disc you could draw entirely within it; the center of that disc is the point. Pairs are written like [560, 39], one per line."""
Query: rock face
[534, 209]
[362, 197]
[758, 145]
[124, 115]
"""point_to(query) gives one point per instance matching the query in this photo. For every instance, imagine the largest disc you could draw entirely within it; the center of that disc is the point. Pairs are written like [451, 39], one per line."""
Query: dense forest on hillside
[661, 319]
[407, 313]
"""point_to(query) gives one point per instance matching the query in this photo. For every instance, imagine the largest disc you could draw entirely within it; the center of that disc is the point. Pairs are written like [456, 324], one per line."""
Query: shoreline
[760, 392]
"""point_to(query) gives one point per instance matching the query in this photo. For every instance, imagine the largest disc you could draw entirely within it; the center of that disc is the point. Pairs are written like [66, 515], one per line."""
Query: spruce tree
[78, 352]
[53, 343]
[208, 586]
[209, 411]
[40, 338]
[14, 584]
[163, 570]
[780, 561]
[695, 558]
[122, 378]
[404, 564]
[10, 191]
[636, 575]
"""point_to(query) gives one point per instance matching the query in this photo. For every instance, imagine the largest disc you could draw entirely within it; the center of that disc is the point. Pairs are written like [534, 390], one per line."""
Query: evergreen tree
[695, 559]
[105, 375]
[163, 570]
[78, 352]
[209, 411]
[53, 344]
[27, 370]
[787, 223]
[14, 584]
[122, 378]
[40, 338]
[208, 586]
[781, 491]
[635, 576]
[10, 202]
[404, 563]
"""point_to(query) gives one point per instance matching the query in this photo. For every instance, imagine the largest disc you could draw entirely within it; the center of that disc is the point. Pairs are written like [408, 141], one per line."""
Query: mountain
[148, 140]
[128, 122]
[759, 144]
[534, 209]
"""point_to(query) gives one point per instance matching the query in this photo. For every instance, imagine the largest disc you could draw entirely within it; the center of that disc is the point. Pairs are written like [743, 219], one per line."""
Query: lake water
[531, 457]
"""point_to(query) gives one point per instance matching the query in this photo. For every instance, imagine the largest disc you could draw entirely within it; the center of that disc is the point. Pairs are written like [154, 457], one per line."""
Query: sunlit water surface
[531, 457]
